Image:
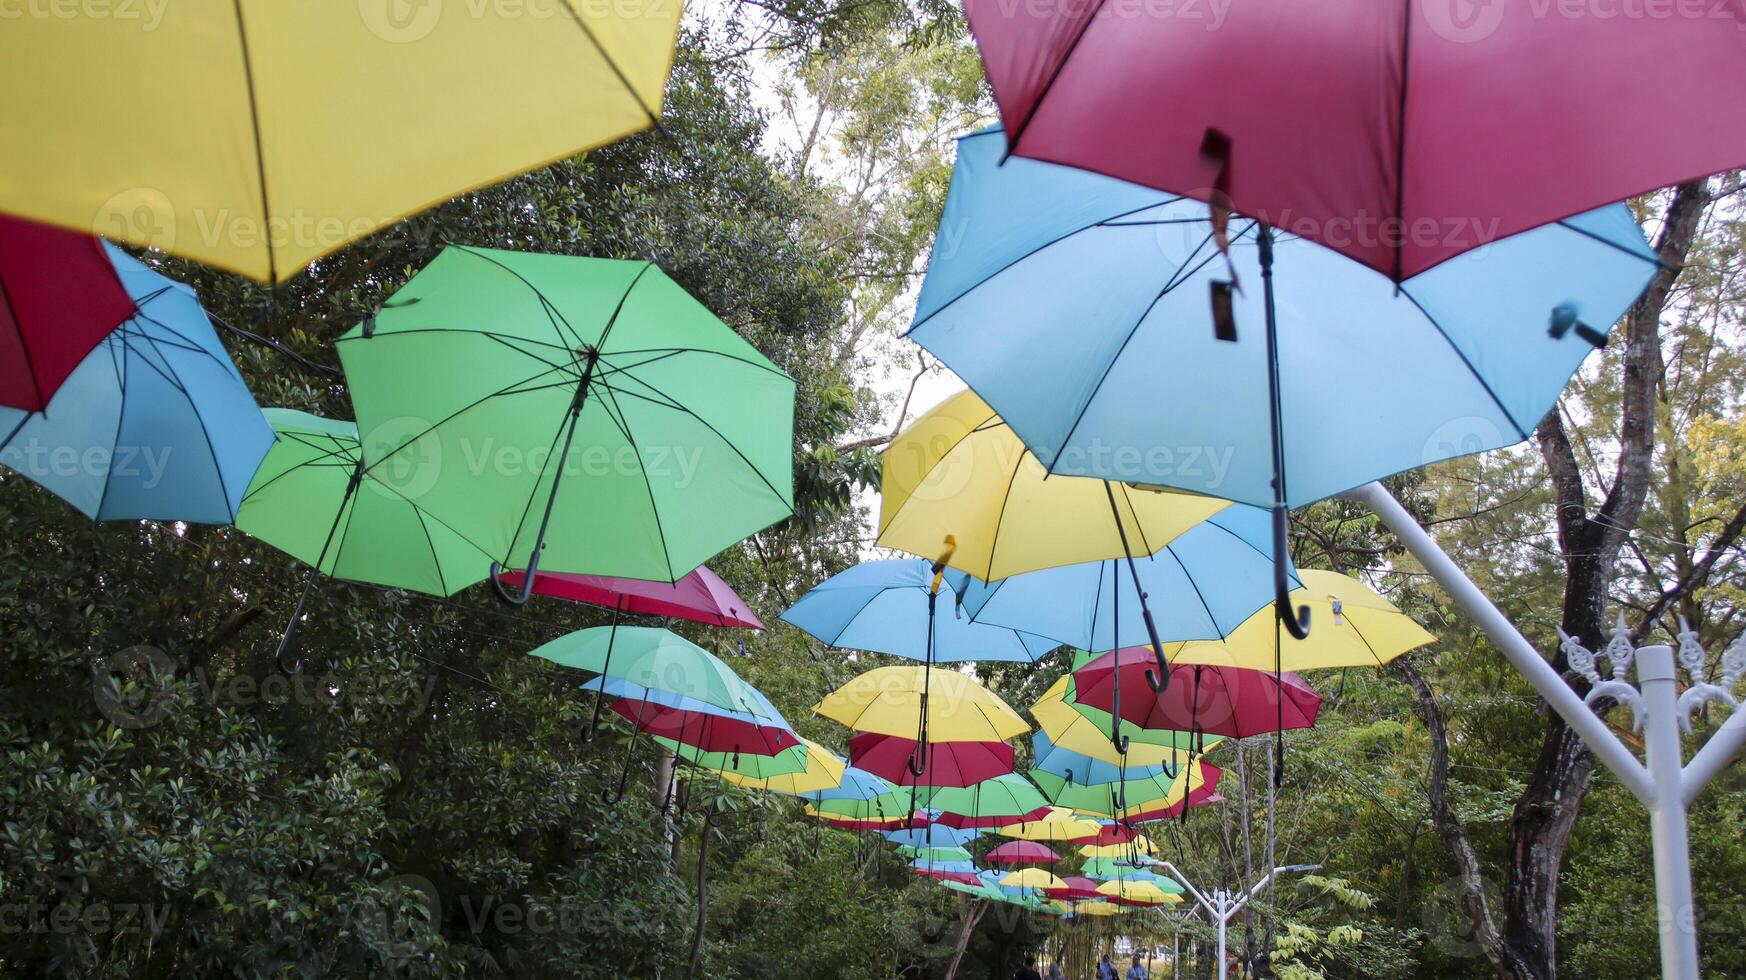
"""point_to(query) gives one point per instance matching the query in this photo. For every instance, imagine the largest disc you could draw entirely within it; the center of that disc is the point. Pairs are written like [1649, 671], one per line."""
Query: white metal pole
[1223, 898]
[1522, 654]
[1673, 893]
[1715, 756]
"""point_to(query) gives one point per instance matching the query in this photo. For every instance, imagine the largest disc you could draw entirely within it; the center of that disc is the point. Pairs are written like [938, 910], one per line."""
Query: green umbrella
[786, 762]
[983, 804]
[979, 890]
[658, 660]
[1109, 799]
[887, 806]
[587, 415]
[1110, 869]
[312, 499]
[935, 855]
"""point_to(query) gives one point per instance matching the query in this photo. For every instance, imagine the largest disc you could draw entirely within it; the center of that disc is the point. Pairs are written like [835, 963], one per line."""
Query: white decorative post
[1221, 905]
[1663, 786]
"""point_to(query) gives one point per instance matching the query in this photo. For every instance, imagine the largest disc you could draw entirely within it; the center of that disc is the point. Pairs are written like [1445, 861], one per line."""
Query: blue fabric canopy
[154, 424]
[933, 835]
[883, 606]
[1078, 307]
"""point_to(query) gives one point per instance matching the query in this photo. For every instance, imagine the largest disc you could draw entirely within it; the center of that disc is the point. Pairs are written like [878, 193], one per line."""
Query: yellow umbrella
[1355, 627]
[1142, 796]
[823, 771]
[1034, 878]
[960, 470]
[1141, 844]
[1060, 825]
[888, 700]
[259, 135]
[1068, 729]
[1141, 892]
[1098, 908]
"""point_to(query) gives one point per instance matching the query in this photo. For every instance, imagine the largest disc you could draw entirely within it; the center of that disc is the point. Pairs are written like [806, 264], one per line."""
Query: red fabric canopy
[960, 821]
[1231, 701]
[1400, 134]
[711, 733]
[59, 296]
[1023, 852]
[948, 763]
[1078, 889]
[700, 597]
[1206, 793]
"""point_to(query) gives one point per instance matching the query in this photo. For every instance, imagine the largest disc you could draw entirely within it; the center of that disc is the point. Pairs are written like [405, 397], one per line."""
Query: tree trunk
[702, 895]
[971, 917]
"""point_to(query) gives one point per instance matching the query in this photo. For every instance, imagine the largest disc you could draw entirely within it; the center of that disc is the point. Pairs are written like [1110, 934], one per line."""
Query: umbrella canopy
[1077, 768]
[959, 470]
[1410, 124]
[1119, 799]
[857, 784]
[154, 424]
[1355, 627]
[931, 836]
[1075, 888]
[795, 759]
[59, 296]
[619, 688]
[991, 803]
[961, 874]
[700, 597]
[888, 606]
[1114, 869]
[1114, 835]
[1112, 280]
[1201, 585]
[1116, 848]
[581, 415]
[822, 770]
[979, 889]
[707, 727]
[936, 855]
[311, 499]
[1230, 701]
[853, 825]
[1205, 793]
[658, 659]
[277, 133]
[1033, 879]
[1061, 824]
[1140, 893]
[948, 763]
[1097, 909]
[888, 701]
[1023, 852]
[1072, 727]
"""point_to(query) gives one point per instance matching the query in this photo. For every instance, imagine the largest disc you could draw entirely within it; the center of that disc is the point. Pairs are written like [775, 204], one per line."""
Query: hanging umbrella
[1097, 909]
[1410, 123]
[277, 133]
[857, 784]
[1118, 799]
[856, 826]
[948, 763]
[700, 597]
[1075, 728]
[1060, 824]
[1229, 701]
[898, 700]
[1023, 852]
[1201, 585]
[1136, 844]
[795, 759]
[960, 470]
[1032, 880]
[991, 803]
[1358, 628]
[707, 727]
[311, 499]
[955, 874]
[938, 855]
[658, 659]
[822, 769]
[1137, 893]
[1198, 795]
[492, 376]
[979, 889]
[894, 810]
[1355, 377]
[887, 605]
[1113, 834]
[1075, 888]
[59, 296]
[1077, 768]
[154, 424]
[931, 836]
[1112, 869]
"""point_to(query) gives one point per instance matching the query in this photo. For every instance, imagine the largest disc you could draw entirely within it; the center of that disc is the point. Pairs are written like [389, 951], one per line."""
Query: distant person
[1055, 971]
[1136, 971]
[1105, 969]
[1028, 971]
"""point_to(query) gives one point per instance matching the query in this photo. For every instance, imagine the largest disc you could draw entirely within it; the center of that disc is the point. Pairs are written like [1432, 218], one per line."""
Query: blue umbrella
[154, 424]
[614, 687]
[887, 605]
[1085, 770]
[857, 784]
[1077, 306]
[1201, 586]
[933, 835]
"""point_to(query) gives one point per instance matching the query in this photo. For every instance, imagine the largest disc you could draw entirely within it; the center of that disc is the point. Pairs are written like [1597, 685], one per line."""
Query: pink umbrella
[948, 763]
[1023, 852]
[705, 731]
[1078, 889]
[701, 597]
[1400, 134]
[961, 821]
[1232, 701]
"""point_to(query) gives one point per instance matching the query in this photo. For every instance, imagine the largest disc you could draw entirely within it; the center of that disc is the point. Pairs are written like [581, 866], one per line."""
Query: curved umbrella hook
[563, 458]
[1298, 624]
[611, 637]
[614, 797]
[1160, 680]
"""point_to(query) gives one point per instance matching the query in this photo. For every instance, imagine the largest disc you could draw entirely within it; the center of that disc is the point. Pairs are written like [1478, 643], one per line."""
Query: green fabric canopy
[490, 368]
[660, 660]
[311, 500]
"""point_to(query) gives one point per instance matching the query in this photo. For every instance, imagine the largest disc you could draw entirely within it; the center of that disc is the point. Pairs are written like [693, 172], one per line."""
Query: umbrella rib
[118, 364]
[254, 491]
[701, 421]
[242, 37]
[1139, 527]
[18, 329]
[648, 487]
[698, 350]
[612, 321]
[1584, 232]
[622, 80]
[1101, 222]
[1400, 126]
[435, 562]
[1048, 86]
[1214, 620]
[1000, 515]
[170, 371]
[1484, 384]
[559, 323]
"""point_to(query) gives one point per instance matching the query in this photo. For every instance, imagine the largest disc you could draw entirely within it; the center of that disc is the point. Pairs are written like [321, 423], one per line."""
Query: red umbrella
[705, 731]
[1230, 701]
[1400, 134]
[1200, 796]
[1077, 890]
[1023, 852]
[59, 296]
[1113, 834]
[700, 597]
[962, 877]
[918, 822]
[959, 821]
[948, 763]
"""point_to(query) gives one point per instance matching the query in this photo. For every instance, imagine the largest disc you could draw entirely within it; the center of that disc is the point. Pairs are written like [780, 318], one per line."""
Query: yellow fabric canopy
[960, 470]
[1138, 891]
[823, 771]
[1140, 844]
[259, 135]
[887, 700]
[1097, 908]
[1070, 730]
[1060, 825]
[1032, 878]
[1367, 631]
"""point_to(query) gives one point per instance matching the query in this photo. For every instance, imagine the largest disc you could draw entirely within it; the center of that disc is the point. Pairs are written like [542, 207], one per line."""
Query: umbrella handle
[1158, 681]
[1298, 624]
[296, 667]
[594, 722]
[527, 584]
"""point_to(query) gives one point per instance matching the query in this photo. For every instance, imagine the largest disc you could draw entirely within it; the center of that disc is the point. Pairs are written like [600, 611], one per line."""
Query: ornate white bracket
[1618, 650]
[1696, 663]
